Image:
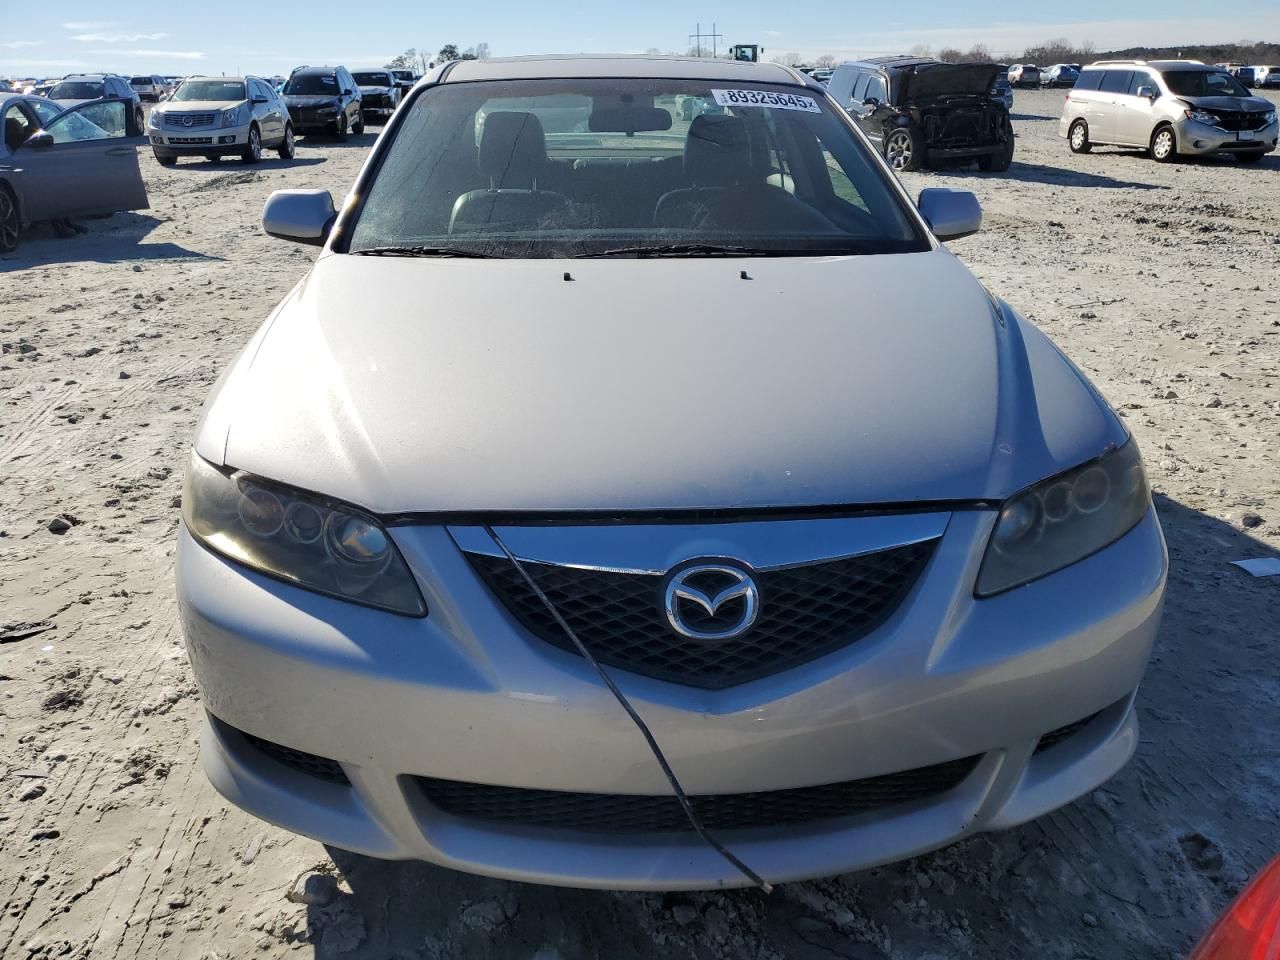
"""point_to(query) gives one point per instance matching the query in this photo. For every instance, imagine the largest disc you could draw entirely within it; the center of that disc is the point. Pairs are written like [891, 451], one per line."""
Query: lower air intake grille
[319, 767]
[624, 813]
[806, 612]
[1055, 737]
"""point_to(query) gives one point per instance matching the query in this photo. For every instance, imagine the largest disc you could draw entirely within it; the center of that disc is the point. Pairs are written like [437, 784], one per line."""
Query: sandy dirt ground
[1160, 281]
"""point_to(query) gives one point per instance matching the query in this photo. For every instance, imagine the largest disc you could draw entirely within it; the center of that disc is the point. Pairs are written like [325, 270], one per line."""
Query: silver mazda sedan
[722, 530]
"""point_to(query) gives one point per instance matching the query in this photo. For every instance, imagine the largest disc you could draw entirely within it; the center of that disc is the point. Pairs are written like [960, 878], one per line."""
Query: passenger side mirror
[41, 139]
[260, 100]
[1148, 92]
[951, 214]
[303, 216]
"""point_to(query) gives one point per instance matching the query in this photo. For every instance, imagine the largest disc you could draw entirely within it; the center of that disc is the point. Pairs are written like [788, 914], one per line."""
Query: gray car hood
[455, 385]
[1255, 104]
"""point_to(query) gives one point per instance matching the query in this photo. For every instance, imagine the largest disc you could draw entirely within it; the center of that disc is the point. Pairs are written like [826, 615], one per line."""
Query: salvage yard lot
[1159, 281]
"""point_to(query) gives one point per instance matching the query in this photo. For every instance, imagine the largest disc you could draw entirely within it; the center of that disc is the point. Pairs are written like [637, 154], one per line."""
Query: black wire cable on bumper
[689, 812]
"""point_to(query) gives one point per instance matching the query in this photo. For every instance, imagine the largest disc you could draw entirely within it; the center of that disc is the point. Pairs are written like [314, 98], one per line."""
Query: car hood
[68, 104]
[1255, 104]
[310, 100]
[426, 385]
[943, 79]
[196, 106]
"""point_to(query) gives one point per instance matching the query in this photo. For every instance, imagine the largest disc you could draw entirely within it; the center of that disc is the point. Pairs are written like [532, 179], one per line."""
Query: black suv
[324, 100]
[923, 112]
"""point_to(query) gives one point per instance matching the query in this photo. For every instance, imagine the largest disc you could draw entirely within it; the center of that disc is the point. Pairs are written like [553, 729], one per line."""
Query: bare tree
[826, 61]
[978, 53]
[791, 59]
[921, 50]
[950, 55]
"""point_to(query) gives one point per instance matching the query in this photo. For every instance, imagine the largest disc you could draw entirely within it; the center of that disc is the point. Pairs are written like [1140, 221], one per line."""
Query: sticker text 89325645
[766, 98]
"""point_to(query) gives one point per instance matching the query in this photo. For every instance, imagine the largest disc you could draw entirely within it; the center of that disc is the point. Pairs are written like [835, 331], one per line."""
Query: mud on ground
[1159, 281]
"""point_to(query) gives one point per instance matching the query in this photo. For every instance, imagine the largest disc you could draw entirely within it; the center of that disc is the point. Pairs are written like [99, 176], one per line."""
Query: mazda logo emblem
[712, 588]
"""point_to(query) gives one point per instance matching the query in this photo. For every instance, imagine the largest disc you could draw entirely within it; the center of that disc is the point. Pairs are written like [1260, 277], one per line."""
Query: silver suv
[1169, 107]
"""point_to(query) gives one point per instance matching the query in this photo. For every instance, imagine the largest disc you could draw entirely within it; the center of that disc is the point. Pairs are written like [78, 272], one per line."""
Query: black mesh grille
[1241, 120]
[805, 613]
[1054, 737]
[308, 763]
[623, 813]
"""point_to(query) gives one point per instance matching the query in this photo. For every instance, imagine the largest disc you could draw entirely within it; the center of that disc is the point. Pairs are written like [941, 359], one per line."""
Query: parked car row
[1258, 75]
[1171, 108]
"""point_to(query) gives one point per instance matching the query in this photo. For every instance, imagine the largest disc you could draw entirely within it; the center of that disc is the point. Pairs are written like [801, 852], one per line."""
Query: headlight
[231, 118]
[329, 108]
[1269, 119]
[1199, 116]
[314, 543]
[154, 119]
[1064, 519]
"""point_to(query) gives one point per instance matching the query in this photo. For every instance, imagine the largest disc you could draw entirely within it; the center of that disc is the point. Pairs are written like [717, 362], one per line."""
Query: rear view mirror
[628, 119]
[39, 139]
[951, 214]
[303, 216]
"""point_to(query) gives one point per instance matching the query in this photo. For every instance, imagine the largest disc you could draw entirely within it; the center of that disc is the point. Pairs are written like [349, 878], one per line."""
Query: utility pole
[698, 36]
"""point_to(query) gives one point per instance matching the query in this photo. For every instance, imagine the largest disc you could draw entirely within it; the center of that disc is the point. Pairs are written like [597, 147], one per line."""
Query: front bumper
[467, 695]
[1200, 138]
[199, 140]
[307, 120]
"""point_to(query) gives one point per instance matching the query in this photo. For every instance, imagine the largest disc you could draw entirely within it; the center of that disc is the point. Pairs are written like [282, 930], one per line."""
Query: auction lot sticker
[765, 98]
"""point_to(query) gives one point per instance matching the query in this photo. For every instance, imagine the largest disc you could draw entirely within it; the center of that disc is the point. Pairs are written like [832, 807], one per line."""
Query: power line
[696, 38]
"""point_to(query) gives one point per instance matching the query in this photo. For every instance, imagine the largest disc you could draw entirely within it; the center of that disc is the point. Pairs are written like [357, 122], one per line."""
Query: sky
[252, 36]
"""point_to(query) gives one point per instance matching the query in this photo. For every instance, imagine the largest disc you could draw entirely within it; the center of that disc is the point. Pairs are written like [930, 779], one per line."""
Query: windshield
[312, 85]
[210, 90]
[140, 81]
[372, 79]
[1204, 83]
[76, 90]
[403, 74]
[560, 168]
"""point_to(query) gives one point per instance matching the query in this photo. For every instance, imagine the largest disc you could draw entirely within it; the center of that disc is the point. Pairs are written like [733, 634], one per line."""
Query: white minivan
[1168, 107]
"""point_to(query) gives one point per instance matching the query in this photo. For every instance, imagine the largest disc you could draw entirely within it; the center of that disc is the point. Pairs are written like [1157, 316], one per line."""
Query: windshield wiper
[680, 250]
[426, 252]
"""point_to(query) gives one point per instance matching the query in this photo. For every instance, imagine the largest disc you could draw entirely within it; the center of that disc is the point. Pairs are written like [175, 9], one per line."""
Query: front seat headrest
[513, 149]
[717, 151]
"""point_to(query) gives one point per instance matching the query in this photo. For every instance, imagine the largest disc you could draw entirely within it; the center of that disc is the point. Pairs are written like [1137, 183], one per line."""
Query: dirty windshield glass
[210, 90]
[563, 168]
[312, 84]
[76, 90]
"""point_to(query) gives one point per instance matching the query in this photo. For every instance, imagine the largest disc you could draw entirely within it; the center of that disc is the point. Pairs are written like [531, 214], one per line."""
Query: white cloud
[117, 36]
[773, 33]
[87, 25]
[158, 54]
[18, 44]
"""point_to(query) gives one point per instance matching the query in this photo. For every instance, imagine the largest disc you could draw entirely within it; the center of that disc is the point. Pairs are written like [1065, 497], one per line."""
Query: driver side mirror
[303, 216]
[258, 100]
[951, 214]
[40, 140]
[1147, 91]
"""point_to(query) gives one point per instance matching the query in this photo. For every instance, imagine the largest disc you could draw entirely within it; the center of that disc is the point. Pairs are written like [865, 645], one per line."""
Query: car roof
[898, 61]
[228, 79]
[312, 71]
[583, 66]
